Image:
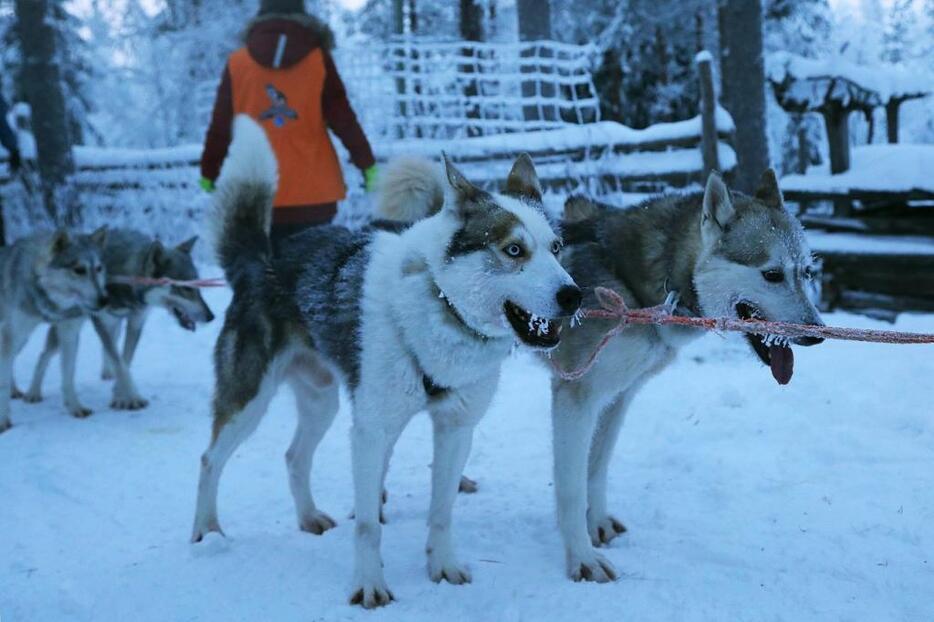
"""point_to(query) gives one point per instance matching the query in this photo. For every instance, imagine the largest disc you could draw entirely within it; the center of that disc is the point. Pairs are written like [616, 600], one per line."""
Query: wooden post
[891, 119]
[534, 18]
[836, 118]
[709, 150]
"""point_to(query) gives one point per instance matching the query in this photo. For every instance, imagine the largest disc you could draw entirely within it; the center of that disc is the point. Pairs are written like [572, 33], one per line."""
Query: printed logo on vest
[279, 111]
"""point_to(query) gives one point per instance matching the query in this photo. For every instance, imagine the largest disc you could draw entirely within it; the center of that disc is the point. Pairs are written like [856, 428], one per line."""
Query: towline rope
[162, 282]
[613, 307]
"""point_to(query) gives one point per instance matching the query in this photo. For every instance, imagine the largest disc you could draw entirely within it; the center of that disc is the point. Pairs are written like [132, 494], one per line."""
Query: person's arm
[341, 119]
[218, 137]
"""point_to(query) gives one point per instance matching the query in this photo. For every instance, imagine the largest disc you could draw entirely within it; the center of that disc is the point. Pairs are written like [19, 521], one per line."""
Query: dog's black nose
[569, 299]
[102, 302]
[809, 341]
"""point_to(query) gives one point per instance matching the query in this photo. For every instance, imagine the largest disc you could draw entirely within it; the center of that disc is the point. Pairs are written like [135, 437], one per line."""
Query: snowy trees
[743, 72]
[43, 90]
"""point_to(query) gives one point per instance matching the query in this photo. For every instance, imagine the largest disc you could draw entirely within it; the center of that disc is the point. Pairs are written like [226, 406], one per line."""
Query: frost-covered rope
[162, 282]
[613, 307]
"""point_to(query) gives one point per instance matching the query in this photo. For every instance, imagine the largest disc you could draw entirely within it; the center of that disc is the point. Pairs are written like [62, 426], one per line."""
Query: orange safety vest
[287, 103]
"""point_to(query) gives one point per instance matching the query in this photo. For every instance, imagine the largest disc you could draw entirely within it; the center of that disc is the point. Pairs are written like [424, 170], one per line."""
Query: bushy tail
[243, 201]
[410, 189]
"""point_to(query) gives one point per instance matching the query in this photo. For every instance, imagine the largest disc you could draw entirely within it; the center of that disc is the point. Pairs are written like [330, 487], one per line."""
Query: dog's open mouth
[773, 350]
[184, 320]
[532, 330]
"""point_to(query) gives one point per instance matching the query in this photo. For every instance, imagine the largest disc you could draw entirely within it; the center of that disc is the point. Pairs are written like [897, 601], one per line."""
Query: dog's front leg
[34, 394]
[573, 427]
[6, 375]
[112, 325]
[134, 330]
[370, 445]
[68, 334]
[453, 420]
[125, 394]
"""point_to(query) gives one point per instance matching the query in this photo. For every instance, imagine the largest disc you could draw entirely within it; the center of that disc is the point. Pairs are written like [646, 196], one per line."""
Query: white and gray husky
[410, 318]
[725, 255]
[129, 253]
[53, 278]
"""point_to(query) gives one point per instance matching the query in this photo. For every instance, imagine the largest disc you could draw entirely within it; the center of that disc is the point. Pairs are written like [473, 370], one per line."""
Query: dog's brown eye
[514, 250]
[773, 276]
[80, 270]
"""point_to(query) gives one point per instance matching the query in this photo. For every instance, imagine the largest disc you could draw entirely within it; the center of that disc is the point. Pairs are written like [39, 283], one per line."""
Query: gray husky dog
[130, 253]
[55, 278]
[410, 318]
[724, 255]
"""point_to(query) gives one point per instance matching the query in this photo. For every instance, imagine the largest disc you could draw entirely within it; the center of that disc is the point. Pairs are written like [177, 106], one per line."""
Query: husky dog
[55, 278]
[131, 253]
[726, 255]
[410, 318]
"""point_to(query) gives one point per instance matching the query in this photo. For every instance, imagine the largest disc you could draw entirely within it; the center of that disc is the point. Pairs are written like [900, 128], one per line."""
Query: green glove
[371, 175]
[206, 184]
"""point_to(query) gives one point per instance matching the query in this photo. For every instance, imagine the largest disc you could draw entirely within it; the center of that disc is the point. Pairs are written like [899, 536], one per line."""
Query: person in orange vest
[285, 79]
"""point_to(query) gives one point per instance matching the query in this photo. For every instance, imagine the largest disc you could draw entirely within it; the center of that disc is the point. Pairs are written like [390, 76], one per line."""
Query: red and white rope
[613, 307]
[162, 282]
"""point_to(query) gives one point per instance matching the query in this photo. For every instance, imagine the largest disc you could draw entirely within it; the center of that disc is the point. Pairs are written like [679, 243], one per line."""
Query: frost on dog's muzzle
[532, 330]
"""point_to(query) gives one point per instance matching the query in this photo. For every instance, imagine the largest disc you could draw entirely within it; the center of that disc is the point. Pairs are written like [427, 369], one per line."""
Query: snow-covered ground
[744, 500]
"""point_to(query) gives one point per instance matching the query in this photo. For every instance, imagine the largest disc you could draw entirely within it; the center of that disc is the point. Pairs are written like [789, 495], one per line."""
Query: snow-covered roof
[809, 82]
[873, 168]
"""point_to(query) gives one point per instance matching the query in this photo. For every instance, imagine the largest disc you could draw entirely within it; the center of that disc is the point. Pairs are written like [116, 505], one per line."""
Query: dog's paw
[201, 531]
[467, 485]
[32, 397]
[317, 522]
[605, 530]
[450, 571]
[15, 393]
[5, 425]
[371, 594]
[128, 402]
[107, 374]
[80, 412]
[594, 567]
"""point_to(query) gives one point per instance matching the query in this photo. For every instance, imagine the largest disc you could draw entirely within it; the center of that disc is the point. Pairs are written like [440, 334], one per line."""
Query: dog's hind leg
[573, 421]
[111, 325]
[602, 527]
[231, 428]
[317, 400]
[52, 345]
[14, 332]
[68, 334]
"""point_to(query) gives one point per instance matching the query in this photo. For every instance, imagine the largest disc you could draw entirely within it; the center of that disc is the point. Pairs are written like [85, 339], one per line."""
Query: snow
[744, 500]
[823, 242]
[704, 56]
[890, 81]
[873, 168]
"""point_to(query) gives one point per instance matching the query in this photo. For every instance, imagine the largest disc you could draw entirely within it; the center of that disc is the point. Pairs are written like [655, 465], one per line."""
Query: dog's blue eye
[555, 247]
[514, 250]
[773, 276]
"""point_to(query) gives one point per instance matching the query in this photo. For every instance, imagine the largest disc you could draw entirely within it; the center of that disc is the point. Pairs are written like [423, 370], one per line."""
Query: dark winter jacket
[7, 137]
[286, 79]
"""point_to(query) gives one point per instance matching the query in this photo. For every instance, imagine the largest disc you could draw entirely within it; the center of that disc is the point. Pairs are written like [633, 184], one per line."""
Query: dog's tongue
[783, 363]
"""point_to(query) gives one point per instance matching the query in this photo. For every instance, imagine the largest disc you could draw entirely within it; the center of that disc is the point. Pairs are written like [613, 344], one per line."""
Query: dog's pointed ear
[99, 237]
[59, 242]
[187, 246]
[577, 207]
[153, 259]
[523, 180]
[768, 191]
[718, 208]
[457, 181]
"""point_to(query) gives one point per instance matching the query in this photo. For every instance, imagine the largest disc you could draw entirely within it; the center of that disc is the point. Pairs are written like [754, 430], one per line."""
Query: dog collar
[457, 316]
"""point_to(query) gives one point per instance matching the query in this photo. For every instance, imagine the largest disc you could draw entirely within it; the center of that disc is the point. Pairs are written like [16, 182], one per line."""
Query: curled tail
[243, 202]
[410, 189]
